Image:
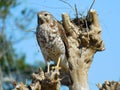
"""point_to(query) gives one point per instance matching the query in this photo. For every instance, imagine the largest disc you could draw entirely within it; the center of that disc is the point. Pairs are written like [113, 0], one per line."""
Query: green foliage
[5, 6]
[38, 64]
[21, 65]
[7, 53]
[8, 57]
[10, 61]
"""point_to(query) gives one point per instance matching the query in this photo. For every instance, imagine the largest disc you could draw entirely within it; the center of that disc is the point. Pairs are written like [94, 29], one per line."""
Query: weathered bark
[84, 40]
[109, 85]
[42, 81]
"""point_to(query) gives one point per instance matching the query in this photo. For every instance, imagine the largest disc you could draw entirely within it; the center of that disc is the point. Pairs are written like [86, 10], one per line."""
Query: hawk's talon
[57, 66]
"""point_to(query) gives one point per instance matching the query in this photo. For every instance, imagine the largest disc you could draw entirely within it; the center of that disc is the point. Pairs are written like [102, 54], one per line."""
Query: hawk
[52, 40]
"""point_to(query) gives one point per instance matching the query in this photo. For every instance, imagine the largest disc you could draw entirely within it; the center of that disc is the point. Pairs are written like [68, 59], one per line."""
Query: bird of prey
[52, 40]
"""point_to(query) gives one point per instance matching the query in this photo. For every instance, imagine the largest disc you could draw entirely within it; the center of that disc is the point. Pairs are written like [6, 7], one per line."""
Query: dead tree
[42, 81]
[113, 85]
[85, 40]
[84, 37]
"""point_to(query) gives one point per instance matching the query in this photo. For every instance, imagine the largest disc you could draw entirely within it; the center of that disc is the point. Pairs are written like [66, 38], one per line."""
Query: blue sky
[105, 64]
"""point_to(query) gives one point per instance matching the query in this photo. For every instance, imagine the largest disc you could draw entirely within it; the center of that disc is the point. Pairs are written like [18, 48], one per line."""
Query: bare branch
[76, 11]
[91, 7]
[67, 4]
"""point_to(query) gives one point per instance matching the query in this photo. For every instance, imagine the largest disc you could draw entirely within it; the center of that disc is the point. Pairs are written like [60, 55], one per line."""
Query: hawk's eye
[45, 14]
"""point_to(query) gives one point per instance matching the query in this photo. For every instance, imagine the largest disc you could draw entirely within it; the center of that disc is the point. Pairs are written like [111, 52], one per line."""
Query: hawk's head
[44, 17]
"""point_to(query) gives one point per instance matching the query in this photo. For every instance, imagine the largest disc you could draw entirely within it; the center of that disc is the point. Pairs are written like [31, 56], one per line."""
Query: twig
[67, 4]
[91, 7]
[76, 11]
[31, 30]
[87, 29]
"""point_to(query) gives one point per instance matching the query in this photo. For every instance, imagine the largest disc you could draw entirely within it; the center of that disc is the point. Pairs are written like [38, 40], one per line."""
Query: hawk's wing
[64, 37]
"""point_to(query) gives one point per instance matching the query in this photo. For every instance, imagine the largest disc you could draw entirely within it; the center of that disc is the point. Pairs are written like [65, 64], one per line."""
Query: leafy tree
[11, 63]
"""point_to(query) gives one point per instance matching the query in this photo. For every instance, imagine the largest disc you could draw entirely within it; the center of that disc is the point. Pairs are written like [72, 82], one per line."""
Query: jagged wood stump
[84, 36]
[42, 81]
[113, 85]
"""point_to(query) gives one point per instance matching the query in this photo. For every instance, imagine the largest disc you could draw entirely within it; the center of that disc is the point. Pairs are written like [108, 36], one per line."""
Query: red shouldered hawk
[52, 39]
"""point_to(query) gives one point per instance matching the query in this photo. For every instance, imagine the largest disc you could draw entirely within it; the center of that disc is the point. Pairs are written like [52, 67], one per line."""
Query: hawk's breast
[50, 42]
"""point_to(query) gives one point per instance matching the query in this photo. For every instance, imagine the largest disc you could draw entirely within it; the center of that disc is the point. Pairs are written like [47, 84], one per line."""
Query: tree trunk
[84, 40]
[1, 79]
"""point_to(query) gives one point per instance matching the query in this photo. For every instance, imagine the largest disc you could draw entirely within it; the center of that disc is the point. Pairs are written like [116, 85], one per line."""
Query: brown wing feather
[63, 34]
[64, 37]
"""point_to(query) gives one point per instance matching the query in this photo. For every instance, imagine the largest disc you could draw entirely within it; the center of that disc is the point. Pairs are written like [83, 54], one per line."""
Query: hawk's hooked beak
[40, 20]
